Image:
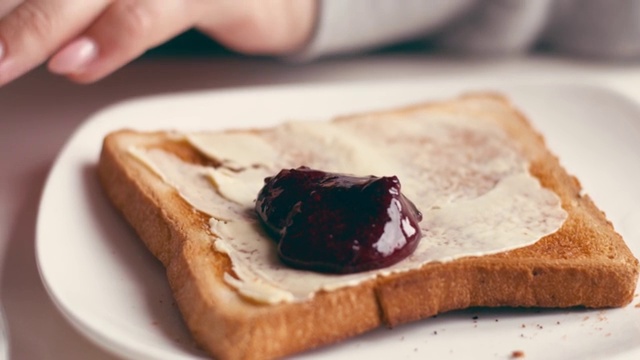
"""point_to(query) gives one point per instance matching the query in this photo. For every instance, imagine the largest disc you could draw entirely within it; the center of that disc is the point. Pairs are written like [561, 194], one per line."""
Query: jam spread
[338, 223]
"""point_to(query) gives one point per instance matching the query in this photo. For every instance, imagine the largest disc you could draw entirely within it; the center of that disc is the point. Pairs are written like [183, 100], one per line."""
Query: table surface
[39, 112]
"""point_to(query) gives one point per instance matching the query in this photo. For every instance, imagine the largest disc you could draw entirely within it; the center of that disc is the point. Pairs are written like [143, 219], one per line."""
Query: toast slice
[584, 263]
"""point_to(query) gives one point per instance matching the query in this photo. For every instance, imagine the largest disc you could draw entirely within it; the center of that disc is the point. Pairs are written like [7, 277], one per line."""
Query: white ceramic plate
[110, 288]
[4, 343]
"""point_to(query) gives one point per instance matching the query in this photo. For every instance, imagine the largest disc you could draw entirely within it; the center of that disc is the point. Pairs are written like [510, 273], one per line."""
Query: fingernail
[1, 51]
[74, 57]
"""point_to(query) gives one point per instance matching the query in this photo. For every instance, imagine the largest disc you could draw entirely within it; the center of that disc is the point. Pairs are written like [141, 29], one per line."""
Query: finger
[123, 32]
[36, 28]
[7, 5]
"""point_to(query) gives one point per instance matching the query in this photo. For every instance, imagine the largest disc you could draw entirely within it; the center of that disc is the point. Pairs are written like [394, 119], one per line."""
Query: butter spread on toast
[465, 175]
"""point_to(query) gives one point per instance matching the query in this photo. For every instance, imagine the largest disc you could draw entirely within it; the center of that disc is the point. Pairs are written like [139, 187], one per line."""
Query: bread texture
[584, 264]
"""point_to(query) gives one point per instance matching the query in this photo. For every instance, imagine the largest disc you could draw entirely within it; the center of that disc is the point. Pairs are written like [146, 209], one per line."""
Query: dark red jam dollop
[338, 223]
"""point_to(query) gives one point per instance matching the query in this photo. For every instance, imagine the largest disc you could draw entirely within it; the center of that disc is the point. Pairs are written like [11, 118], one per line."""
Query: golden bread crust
[585, 263]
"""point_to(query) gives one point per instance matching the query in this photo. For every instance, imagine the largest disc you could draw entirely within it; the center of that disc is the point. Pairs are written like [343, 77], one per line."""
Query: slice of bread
[585, 263]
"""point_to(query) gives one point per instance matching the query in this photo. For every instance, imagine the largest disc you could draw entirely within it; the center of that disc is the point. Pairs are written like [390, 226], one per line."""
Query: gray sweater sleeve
[597, 28]
[349, 26]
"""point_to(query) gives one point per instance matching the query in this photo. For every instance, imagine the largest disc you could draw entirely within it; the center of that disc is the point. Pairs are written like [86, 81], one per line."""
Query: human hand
[89, 39]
